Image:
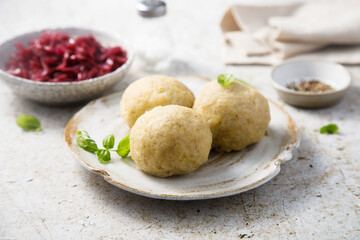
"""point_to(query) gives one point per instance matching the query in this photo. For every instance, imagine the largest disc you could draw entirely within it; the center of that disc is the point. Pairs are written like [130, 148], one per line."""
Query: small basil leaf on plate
[28, 123]
[227, 79]
[85, 142]
[123, 148]
[103, 155]
[108, 141]
[330, 129]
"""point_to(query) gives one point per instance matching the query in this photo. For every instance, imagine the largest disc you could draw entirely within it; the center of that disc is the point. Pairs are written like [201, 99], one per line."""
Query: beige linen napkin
[323, 30]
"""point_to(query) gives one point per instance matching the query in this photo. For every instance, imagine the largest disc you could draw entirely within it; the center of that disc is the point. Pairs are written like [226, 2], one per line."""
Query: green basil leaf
[224, 79]
[227, 79]
[85, 142]
[28, 123]
[123, 148]
[108, 142]
[330, 129]
[103, 155]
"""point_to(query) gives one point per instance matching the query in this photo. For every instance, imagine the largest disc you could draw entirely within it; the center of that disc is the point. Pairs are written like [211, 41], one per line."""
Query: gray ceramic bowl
[332, 74]
[64, 93]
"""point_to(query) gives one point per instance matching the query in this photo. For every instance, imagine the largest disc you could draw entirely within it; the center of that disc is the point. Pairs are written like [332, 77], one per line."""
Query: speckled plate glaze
[224, 174]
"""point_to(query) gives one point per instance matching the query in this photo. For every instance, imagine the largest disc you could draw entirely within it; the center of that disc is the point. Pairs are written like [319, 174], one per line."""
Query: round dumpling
[152, 91]
[237, 114]
[170, 140]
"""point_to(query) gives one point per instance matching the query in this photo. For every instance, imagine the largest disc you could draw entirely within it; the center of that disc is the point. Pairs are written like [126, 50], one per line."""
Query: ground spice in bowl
[314, 86]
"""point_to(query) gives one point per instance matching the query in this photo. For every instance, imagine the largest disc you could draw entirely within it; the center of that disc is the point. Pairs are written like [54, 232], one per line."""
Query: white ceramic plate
[222, 175]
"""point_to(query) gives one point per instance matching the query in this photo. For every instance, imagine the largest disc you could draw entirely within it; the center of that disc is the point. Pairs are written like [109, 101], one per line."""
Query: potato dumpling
[170, 140]
[152, 91]
[237, 114]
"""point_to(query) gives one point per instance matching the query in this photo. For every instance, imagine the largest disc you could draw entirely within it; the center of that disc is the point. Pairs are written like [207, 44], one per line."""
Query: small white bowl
[63, 93]
[332, 74]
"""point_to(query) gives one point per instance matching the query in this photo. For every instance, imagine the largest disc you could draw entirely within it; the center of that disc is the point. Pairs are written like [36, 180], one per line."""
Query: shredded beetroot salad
[56, 57]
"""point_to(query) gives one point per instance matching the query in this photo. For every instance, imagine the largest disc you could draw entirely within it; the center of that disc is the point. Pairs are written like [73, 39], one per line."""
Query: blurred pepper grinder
[152, 37]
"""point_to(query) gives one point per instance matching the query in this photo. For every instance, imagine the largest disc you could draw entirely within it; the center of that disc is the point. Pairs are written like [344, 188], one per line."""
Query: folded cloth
[322, 30]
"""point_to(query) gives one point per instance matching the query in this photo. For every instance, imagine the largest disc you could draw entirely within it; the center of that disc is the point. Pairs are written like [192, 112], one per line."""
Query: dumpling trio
[168, 137]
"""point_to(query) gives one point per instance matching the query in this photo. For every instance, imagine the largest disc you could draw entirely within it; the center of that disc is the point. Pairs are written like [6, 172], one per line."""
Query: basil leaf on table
[123, 148]
[28, 123]
[85, 142]
[103, 155]
[329, 129]
[108, 141]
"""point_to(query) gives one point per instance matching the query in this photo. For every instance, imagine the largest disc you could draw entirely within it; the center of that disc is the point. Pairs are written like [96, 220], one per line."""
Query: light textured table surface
[46, 194]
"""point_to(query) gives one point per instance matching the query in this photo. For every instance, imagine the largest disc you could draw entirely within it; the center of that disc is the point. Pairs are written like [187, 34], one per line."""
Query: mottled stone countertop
[46, 194]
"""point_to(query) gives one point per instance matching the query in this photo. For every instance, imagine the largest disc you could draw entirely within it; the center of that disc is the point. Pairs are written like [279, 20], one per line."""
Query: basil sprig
[329, 129]
[227, 79]
[85, 142]
[28, 123]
